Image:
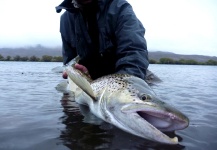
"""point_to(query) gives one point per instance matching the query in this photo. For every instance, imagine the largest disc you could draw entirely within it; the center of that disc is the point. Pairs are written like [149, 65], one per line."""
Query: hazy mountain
[39, 51]
[156, 55]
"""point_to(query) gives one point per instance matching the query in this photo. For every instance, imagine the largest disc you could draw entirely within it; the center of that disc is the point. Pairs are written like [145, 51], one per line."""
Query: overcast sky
[179, 26]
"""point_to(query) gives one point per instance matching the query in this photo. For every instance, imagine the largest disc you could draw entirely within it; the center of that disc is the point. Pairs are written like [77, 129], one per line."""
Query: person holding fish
[110, 43]
[107, 36]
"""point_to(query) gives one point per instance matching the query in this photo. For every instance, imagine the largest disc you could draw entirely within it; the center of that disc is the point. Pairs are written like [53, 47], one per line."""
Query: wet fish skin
[127, 102]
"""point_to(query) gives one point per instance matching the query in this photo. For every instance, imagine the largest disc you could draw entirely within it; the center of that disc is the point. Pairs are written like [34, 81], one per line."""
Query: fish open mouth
[156, 120]
[162, 121]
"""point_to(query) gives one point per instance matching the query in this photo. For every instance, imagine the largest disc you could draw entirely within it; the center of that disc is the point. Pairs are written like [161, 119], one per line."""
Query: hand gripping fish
[128, 103]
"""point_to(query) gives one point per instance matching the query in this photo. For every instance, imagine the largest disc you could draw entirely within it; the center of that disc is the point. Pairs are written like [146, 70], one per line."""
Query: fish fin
[88, 116]
[72, 86]
[62, 87]
[58, 69]
[152, 78]
[73, 61]
[80, 81]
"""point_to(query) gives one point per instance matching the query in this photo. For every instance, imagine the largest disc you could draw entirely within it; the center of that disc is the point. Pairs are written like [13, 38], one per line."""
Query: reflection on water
[35, 116]
[77, 134]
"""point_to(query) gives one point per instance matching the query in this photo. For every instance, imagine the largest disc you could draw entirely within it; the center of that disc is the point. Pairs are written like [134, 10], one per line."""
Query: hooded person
[107, 36]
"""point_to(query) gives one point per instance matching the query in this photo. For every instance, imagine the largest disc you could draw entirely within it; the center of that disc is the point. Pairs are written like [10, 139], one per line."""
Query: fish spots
[113, 83]
[133, 92]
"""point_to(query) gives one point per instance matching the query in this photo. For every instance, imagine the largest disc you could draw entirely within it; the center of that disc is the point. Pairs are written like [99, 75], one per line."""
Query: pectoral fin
[80, 81]
[62, 87]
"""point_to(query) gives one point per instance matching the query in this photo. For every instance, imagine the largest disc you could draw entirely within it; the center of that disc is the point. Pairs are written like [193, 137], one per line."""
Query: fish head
[136, 109]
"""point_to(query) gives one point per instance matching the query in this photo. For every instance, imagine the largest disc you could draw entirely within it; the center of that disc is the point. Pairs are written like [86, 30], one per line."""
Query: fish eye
[145, 97]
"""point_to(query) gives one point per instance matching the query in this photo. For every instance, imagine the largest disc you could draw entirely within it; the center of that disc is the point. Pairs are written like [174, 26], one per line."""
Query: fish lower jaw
[162, 138]
[140, 127]
[174, 140]
[165, 140]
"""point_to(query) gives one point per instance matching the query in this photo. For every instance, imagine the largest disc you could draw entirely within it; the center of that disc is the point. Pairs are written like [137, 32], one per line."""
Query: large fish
[128, 103]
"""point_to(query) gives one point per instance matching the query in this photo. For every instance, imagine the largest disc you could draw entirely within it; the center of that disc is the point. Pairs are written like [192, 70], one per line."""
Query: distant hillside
[39, 51]
[159, 54]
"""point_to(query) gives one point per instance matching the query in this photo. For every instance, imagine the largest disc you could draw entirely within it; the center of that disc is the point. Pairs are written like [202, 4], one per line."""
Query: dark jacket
[121, 47]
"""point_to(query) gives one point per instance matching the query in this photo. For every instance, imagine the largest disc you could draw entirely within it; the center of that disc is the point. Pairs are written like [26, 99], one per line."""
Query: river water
[33, 115]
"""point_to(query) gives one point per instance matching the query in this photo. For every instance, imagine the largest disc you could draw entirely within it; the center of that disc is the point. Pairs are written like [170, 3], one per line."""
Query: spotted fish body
[128, 103]
[113, 83]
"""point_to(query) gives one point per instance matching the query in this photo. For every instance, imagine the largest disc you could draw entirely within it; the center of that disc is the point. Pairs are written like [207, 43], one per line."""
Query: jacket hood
[69, 5]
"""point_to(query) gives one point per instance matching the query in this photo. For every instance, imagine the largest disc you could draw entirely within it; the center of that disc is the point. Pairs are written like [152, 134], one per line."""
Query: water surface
[36, 116]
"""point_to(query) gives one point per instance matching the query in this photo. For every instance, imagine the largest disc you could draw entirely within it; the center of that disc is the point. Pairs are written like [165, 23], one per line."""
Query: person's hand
[81, 68]
[64, 75]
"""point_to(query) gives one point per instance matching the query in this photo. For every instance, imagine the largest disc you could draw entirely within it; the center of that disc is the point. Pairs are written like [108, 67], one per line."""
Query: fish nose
[185, 122]
[182, 123]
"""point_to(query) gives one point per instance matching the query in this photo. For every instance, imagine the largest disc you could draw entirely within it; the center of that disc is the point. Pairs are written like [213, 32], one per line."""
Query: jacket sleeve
[132, 54]
[68, 50]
